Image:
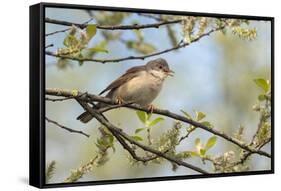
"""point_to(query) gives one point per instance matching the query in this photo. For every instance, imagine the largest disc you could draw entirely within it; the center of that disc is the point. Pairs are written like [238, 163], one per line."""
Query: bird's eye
[160, 67]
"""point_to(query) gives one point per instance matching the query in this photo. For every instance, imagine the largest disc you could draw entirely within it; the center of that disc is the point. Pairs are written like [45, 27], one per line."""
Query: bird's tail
[85, 117]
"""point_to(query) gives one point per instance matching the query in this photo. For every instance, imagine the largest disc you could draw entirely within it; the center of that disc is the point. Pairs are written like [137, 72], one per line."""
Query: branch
[151, 16]
[58, 31]
[119, 131]
[131, 150]
[58, 99]
[246, 155]
[64, 98]
[180, 45]
[66, 128]
[49, 45]
[90, 98]
[118, 27]
[64, 30]
[79, 172]
[186, 135]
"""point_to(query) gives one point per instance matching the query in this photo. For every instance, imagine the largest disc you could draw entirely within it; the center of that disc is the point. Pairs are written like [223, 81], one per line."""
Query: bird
[140, 85]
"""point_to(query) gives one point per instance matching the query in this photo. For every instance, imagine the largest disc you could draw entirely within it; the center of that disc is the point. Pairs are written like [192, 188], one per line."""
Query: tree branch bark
[86, 97]
[103, 61]
[119, 131]
[66, 128]
[118, 27]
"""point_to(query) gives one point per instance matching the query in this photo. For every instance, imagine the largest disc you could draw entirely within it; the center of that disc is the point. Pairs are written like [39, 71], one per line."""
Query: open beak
[170, 72]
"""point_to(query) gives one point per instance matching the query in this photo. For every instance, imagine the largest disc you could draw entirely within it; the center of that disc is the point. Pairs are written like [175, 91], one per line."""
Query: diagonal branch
[86, 97]
[58, 31]
[119, 131]
[124, 144]
[180, 45]
[131, 150]
[66, 128]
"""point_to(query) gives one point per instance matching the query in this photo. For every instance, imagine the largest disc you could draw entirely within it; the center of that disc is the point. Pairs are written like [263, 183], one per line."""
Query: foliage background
[214, 75]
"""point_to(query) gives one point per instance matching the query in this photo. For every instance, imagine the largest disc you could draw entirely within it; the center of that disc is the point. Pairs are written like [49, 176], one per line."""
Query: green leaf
[62, 63]
[101, 142]
[149, 116]
[194, 154]
[186, 114]
[97, 50]
[81, 62]
[207, 124]
[183, 155]
[197, 142]
[261, 97]
[111, 139]
[137, 138]
[200, 115]
[262, 83]
[130, 44]
[139, 35]
[211, 142]
[134, 22]
[203, 151]
[99, 47]
[70, 41]
[74, 93]
[91, 31]
[139, 130]
[145, 48]
[113, 148]
[142, 116]
[172, 36]
[155, 121]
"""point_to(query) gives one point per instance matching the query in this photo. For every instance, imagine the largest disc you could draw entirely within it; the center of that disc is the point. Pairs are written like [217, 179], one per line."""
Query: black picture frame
[37, 95]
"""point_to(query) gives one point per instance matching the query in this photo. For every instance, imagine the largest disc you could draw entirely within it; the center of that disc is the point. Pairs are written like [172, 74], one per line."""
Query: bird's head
[159, 68]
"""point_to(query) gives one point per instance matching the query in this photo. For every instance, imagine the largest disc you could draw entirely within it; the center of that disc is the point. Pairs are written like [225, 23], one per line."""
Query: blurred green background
[214, 75]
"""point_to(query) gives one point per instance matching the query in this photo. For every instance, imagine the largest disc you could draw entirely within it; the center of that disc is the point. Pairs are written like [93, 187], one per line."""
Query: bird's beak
[170, 72]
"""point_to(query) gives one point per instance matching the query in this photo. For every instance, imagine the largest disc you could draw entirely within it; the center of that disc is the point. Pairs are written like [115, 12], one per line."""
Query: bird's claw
[151, 108]
[119, 100]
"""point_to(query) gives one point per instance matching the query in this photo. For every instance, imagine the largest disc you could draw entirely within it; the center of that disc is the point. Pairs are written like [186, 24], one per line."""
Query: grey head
[159, 65]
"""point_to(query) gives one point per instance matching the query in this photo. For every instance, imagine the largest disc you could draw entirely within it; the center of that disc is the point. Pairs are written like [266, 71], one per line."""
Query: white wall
[14, 93]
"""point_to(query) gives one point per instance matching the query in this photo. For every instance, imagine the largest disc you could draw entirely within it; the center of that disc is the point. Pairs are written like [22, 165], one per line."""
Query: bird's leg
[119, 100]
[151, 108]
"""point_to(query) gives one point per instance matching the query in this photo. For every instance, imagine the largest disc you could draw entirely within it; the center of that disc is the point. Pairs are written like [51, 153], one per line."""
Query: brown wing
[130, 74]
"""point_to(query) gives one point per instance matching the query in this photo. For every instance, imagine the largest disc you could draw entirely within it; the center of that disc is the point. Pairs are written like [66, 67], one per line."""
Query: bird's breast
[142, 89]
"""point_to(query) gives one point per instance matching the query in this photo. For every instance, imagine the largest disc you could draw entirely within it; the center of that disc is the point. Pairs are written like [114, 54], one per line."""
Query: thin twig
[58, 99]
[58, 31]
[90, 98]
[151, 16]
[186, 135]
[49, 45]
[118, 27]
[149, 136]
[65, 98]
[180, 45]
[130, 150]
[247, 154]
[66, 128]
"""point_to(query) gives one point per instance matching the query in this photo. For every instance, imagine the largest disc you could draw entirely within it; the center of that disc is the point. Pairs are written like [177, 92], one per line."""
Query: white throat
[158, 74]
